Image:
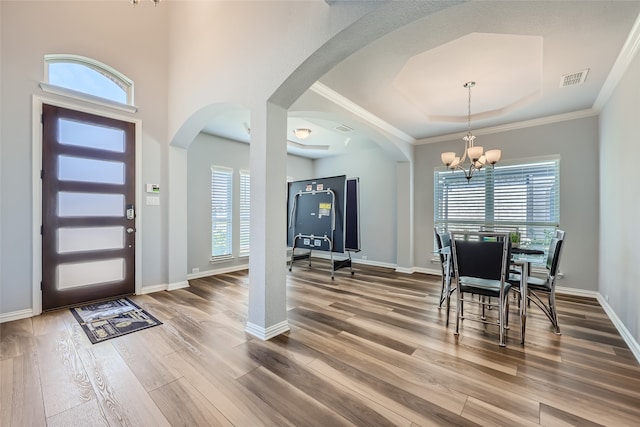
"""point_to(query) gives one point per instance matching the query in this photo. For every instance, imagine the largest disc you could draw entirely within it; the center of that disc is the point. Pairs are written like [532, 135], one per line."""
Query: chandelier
[477, 159]
[135, 2]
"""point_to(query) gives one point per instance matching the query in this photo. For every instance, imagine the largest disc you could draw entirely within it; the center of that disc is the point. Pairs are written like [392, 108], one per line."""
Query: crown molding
[513, 126]
[628, 52]
[357, 110]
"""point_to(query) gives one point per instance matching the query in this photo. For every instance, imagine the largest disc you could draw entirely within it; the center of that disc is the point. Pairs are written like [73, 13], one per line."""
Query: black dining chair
[538, 287]
[481, 263]
[443, 240]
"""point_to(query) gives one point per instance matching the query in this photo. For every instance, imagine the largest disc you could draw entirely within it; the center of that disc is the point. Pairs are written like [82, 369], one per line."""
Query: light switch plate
[153, 201]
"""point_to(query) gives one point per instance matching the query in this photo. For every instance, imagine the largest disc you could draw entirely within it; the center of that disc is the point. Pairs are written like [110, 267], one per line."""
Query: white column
[404, 213]
[267, 315]
[177, 210]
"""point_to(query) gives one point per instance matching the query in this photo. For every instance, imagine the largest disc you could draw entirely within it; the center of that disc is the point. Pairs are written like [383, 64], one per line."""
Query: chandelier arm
[477, 158]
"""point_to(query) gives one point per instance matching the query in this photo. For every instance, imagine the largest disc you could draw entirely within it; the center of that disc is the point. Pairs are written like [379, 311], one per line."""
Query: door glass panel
[90, 170]
[72, 275]
[90, 204]
[91, 136]
[90, 238]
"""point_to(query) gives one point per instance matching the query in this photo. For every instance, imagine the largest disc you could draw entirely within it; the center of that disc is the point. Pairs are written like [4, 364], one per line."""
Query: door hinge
[41, 286]
[41, 173]
[42, 230]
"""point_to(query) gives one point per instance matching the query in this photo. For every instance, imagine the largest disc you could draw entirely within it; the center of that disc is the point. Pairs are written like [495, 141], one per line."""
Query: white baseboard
[164, 287]
[374, 263]
[267, 333]
[16, 315]
[154, 288]
[178, 285]
[576, 292]
[325, 255]
[405, 270]
[217, 271]
[624, 332]
[432, 271]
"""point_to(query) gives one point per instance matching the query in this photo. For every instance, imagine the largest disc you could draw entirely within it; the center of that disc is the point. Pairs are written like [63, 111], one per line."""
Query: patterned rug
[104, 320]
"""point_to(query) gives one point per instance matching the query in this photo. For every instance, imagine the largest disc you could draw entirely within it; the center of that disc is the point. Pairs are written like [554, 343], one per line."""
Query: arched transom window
[89, 77]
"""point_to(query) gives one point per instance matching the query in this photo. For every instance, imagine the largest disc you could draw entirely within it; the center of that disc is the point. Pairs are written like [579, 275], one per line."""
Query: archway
[267, 308]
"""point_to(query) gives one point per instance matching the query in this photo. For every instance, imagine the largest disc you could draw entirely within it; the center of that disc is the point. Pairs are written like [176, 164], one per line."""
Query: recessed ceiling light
[302, 133]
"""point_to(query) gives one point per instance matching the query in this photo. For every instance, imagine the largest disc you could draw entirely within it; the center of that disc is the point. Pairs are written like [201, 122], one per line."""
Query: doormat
[104, 320]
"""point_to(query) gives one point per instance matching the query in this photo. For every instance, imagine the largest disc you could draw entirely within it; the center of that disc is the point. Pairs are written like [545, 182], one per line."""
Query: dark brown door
[88, 194]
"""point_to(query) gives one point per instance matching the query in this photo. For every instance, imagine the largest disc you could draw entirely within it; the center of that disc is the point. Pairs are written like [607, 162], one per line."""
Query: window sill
[70, 93]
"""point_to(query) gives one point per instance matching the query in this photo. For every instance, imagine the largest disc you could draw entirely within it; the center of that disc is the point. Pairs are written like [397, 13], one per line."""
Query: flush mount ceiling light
[302, 133]
[475, 153]
[135, 2]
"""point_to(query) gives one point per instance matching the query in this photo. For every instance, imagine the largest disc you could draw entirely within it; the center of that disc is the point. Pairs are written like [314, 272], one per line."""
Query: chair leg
[501, 322]
[458, 313]
[448, 306]
[506, 317]
[548, 309]
[553, 313]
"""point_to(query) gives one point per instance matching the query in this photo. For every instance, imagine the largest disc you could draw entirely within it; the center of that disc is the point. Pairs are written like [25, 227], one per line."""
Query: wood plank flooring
[366, 350]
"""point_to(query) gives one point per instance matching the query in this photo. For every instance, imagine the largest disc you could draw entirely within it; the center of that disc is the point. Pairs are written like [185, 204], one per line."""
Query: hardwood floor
[366, 350]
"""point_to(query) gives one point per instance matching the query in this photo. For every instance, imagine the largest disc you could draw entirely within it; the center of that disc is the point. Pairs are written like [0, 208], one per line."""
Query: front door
[88, 194]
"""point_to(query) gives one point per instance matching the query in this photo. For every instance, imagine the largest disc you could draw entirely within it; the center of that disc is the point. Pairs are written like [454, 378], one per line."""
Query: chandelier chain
[469, 109]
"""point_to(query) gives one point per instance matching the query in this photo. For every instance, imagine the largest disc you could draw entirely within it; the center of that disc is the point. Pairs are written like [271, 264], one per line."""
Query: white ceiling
[410, 82]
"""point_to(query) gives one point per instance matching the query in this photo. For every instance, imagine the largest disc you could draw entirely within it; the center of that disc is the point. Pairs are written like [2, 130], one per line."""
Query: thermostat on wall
[153, 188]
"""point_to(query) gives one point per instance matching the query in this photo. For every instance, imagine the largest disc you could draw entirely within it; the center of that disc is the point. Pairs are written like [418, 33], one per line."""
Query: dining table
[521, 257]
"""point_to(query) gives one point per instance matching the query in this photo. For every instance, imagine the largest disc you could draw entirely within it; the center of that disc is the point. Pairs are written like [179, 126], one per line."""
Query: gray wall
[620, 200]
[207, 151]
[576, 142]
[377, 200]
[61, 27]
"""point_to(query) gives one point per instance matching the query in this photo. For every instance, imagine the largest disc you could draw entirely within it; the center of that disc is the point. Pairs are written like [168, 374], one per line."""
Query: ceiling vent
[343, 128]
[573, 79]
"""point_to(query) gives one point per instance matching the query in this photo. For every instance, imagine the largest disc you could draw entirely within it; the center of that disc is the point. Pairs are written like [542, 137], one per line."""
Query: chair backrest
[555, 250]
[442, 240]
[483, 255]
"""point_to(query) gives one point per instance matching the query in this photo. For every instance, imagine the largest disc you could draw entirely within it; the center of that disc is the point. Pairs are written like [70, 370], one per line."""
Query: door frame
[36, 167]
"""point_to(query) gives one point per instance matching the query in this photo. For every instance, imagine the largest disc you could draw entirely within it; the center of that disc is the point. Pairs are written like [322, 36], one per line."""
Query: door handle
[130, 230]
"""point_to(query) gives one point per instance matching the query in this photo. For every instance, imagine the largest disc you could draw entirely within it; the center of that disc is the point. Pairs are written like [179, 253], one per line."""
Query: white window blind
[245, 211]
[221, 212]
[523, 197]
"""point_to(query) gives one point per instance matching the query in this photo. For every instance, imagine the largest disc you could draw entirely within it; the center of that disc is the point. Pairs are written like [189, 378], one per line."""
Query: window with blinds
[221, 212]
[517, 197]
[245, 211]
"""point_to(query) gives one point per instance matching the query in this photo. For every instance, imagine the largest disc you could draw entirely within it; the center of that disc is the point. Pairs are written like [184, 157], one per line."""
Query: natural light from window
[88, 76]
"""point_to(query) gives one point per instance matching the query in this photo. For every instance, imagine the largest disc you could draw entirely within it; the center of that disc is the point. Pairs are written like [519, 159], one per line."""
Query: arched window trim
[109, 72]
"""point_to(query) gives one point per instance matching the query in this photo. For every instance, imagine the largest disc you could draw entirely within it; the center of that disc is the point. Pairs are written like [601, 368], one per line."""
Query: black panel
[352, 216]
[316, 208]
